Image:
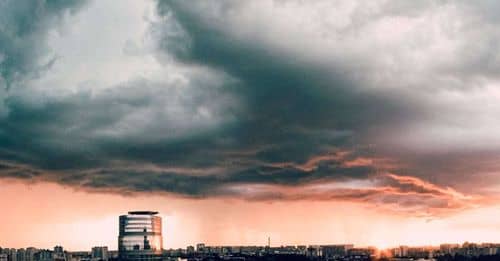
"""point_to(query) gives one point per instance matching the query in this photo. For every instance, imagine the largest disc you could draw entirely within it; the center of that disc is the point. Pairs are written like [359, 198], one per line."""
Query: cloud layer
[267, 100]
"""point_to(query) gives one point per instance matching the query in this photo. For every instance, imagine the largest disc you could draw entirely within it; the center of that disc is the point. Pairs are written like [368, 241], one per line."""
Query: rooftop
[143, 212]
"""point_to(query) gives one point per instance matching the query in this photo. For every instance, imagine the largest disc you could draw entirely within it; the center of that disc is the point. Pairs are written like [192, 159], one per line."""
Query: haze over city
[372, 123]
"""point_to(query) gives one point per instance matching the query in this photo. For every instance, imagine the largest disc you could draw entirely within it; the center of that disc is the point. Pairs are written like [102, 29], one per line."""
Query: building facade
[140, 236]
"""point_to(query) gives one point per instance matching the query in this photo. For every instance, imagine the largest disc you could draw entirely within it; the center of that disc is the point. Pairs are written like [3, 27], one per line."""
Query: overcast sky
[385, 105]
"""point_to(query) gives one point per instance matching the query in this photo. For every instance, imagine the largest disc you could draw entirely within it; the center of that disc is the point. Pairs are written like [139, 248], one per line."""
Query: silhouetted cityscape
[465, 251]
[140, 238]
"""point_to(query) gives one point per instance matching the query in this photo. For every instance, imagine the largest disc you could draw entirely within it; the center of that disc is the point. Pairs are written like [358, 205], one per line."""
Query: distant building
[3, 257]
[449, 249]
[235, 249]
[43, 255]
[100, 253]
[30, 254]
[226, 250]
[12, 254]
[58, 254]
[314, 251]
[21, 254]
[330, 251]
[401, 251]
[302, 249]
[362, 252]
[140, 236]
[200, 247]
[80, 256]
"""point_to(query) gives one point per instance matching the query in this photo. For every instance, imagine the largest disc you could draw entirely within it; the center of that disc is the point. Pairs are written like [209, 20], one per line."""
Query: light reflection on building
[140, 236]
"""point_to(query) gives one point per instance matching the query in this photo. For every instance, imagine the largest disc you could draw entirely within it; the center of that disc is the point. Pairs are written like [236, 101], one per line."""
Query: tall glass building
[140, 236]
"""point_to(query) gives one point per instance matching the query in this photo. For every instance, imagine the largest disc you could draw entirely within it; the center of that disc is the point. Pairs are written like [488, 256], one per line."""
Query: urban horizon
[201, 251]
[275, 246]
[272, 244]
[141, 238]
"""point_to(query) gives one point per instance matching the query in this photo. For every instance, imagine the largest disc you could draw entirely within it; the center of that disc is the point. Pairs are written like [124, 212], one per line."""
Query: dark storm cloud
[251, 121]
[289, 112]
[290, 102]
[130, 123]
[24, 26]
[287, 97]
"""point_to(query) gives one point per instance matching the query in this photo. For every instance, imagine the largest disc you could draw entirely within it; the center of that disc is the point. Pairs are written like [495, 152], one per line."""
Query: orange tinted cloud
[401, 194]
[312, 163]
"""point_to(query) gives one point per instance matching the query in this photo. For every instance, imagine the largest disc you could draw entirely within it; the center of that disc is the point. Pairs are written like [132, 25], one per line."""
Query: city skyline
[345, 252]
[140, 232]
[373, 123]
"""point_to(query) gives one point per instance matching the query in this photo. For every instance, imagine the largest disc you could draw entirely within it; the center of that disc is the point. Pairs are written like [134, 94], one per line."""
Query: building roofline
[143, 212]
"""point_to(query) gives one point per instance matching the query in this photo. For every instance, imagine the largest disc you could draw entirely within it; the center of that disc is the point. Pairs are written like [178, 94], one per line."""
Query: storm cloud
[261, 100]
[23, 33]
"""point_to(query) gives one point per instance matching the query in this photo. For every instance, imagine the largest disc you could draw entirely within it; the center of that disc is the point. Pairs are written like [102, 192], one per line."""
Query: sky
[310, 122]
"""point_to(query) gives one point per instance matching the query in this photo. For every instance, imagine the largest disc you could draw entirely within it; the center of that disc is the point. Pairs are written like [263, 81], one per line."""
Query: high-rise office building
[140, 236]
